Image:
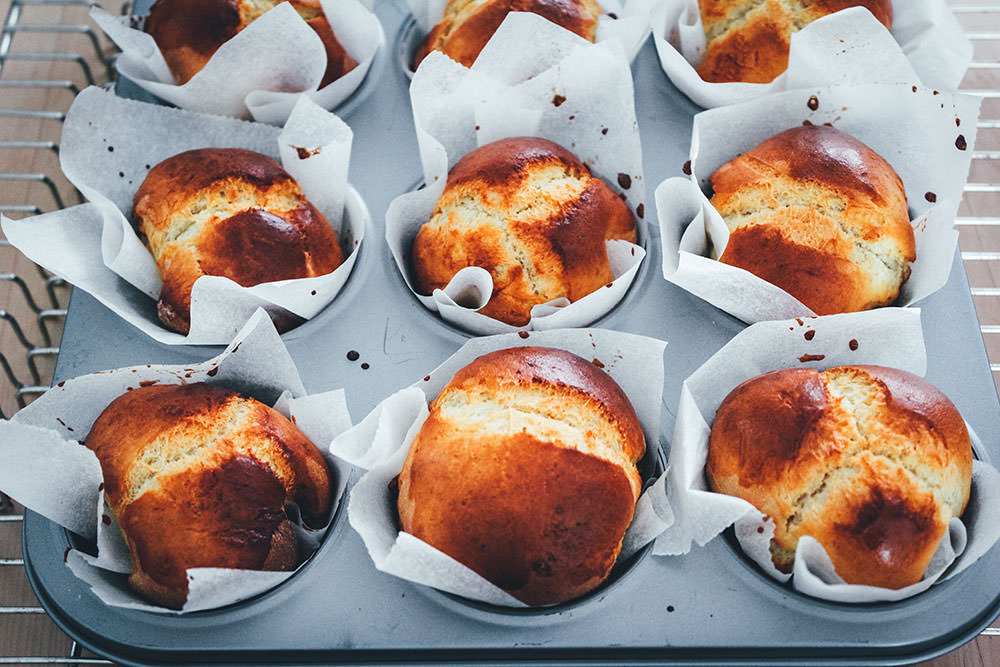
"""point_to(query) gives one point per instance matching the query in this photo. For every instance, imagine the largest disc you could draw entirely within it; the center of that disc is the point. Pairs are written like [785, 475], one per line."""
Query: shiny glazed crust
[188, 32]
[529, 212]
[198, 476]
[525, 471]
[872, 462]
[468, 24]
[748, 40]
[819, 214]
[227, 212]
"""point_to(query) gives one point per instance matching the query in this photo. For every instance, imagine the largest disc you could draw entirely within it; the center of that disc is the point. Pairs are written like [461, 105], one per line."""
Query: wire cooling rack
[49, 50]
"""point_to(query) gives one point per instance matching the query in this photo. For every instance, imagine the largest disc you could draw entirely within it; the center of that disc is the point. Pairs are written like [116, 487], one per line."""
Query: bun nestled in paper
[748, 40]
[468, 24]
[819, 214]
[529, 212]
[871, 462]
[188, 32]
[525, 472]
[228, 212]
[199, 476]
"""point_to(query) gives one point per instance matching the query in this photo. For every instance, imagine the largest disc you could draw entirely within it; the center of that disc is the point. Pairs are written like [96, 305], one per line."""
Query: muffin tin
[710, 606]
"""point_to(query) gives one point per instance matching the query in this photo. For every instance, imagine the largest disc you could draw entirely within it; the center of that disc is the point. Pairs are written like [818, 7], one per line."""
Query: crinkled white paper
[917, 130]
[263, 70]
[108, 145]
[620, 23]
[380, 442]
[532, 79]
[700, 515]
[926, 45]
[48, 470]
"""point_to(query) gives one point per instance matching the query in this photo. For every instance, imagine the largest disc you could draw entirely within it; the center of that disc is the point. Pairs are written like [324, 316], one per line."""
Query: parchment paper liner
[48, 470]
[532, 79]
[917, 130]
[108, 144]
[628, 27]
[887, 337]
[257, 72]
[379, 443]
[848, 47]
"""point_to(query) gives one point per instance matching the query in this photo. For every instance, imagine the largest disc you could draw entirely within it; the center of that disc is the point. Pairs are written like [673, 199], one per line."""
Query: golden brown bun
[188, 32]
[872, 462]
[227, 212]
[468, 24]
[525, 471]
[198, 476]
[819, 214]
[529, 212]
[748, 40]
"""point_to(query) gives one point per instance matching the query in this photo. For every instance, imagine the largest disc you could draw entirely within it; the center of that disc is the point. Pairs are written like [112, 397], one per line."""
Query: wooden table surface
[27, 636]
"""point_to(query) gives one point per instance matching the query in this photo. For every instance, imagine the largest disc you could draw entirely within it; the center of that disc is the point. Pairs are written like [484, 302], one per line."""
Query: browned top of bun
[525, 471]
[819, 214]
[188, 32]
[748, 40]
[529, 212]
[228, 212]
[872, 462]
[468, 24]
[198, 476]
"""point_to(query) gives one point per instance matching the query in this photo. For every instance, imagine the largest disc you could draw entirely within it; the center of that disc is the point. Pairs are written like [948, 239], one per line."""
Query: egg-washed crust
[872, 462]
[198, 476]
[748, 40]
[525, 471]
[529, 212]
[188, 32]
[819, 214]
[467, 25]
[228, 212]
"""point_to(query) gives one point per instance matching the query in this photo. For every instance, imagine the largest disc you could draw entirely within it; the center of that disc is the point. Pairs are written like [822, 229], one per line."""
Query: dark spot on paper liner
[100, 487]
[612, 15]
[597, 362]
[604, 130]
[914, 89]
[670, 608]
[213, 372]
[807, 123]
[61, 383]
[365, 366]
[66, 554]
[760, 529]
[806, 358]
[686, 168]
[557, 100]
[306, 152]
[522, 334]
[853, 344]
[809, 335]
[958, 122]
[813, 103]
[572, 117]
[936, 92]
[121, 174]
[640, 211]
[625, 181]
[313, 293]
[799, 320]
[148, 383]
[105, 519]
[111, 149]
[353, 355]
[930, 196]
[427, 378]
[960, 143]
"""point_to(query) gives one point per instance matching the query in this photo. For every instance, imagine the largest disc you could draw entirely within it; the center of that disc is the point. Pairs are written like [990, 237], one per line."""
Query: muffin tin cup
[380, 442]
[533, 79]
[850, 46]
[820, 343]
[263, 70]
[108, 146]
[47, 470]
[925, 135]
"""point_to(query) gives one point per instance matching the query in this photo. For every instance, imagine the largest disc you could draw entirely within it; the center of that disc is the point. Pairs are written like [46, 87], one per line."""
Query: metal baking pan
[710, 606]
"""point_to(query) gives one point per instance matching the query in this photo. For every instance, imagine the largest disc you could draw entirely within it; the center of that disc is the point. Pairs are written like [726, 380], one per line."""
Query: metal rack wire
[33, 303]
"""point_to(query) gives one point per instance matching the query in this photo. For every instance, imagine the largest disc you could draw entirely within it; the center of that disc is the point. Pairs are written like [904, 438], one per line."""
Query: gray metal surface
[709, 606]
